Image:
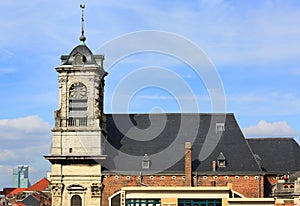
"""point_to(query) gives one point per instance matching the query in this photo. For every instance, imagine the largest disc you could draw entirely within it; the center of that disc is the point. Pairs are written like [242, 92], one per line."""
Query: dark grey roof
[163, 140]
[31, 200]
[85, 52]
[277, 154]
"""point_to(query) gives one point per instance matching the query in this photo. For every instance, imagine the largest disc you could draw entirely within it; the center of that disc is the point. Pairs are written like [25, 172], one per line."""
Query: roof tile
[40, 185]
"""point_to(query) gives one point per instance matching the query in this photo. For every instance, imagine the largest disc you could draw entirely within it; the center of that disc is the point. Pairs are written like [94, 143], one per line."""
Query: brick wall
[114, 183]
[286, 203]
[245, 185]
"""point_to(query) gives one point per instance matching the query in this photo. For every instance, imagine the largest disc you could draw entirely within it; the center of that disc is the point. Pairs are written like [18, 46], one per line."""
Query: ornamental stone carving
[96, 189]
[57, 189]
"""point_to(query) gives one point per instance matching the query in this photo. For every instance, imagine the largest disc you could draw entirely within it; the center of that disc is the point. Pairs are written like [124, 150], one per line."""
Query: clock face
[78, 90]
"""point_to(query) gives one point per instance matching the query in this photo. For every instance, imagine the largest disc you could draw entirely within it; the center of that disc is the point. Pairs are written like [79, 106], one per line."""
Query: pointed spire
[82, 37]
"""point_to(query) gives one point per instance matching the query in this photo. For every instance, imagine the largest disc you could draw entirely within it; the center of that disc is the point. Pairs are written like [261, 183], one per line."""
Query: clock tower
[79, 131]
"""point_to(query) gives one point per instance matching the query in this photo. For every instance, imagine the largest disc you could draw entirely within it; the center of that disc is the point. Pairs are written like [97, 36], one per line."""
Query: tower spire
[82, 37]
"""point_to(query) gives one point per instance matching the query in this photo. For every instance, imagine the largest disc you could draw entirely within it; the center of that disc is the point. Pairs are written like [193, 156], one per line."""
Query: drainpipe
[259, 189]
[196, 178]
[141, 180]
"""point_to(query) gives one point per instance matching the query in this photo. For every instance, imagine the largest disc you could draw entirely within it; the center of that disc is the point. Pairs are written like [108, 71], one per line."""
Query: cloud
[7, 154]
[270, 129]
[6, 70]
[20, 127]
[296, 72]
[227, 36]
[5, 172]
[24, 140]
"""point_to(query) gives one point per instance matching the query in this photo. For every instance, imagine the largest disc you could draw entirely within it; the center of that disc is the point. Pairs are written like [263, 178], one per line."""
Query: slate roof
[31, 200]
[163, 136]
[278, 155]
[84, 51]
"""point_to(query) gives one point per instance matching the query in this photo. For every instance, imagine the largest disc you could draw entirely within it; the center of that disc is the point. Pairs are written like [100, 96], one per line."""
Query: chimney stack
[214, 166]
[188, 164]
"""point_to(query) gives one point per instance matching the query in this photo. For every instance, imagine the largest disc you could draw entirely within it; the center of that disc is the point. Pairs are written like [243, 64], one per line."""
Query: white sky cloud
[7, 155]
[6, 70]
[11, 128]
[24, 141]
[296, 72]
[270, 129]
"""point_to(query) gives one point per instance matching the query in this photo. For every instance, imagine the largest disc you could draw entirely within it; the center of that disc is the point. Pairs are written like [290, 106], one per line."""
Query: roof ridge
[270, 138]
[187, 113]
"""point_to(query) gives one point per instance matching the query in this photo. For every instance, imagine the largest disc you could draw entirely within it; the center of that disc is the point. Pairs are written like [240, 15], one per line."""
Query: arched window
[77, 105]
[76, 200]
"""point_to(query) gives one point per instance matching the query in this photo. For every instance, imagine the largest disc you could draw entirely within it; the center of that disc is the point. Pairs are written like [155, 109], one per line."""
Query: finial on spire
[82, 37]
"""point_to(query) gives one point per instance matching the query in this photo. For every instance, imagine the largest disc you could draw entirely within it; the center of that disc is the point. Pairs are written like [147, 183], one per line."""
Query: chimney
[214, 166]
[188, 164]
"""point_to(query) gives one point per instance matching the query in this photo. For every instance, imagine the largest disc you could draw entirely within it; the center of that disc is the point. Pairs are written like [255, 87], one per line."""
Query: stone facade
[76, 179]
[79, 130]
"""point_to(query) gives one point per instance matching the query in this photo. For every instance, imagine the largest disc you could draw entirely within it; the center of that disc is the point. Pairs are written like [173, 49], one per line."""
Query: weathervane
[82, 37]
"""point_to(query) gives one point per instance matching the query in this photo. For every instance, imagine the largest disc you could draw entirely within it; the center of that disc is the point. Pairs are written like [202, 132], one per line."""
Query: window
[146, 162]
[79, 59]
[77, 105]
[143, 202]
[199, 202]
[220, 127]
[221, 160]
[116, 200]
[76, 200]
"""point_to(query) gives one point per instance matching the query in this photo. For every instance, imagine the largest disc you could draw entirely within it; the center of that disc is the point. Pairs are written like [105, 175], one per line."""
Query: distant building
[35, 195]
[21, 177]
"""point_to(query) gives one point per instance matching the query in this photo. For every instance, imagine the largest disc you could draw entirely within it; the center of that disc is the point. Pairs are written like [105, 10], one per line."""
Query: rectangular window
[199, 202]
[220, 127]
[146, 165]
[143, 202]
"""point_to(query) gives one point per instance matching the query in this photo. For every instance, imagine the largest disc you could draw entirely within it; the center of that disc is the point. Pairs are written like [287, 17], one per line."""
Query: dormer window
[220, 127]
[146, 162]
[221, 160]
[79, 59]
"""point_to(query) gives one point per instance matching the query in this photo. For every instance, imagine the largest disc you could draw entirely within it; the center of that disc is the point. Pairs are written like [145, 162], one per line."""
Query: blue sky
[254, 46]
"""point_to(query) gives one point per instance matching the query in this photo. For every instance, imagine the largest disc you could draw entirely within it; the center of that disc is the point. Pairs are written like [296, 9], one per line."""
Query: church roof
[156, 133]
[277, 154]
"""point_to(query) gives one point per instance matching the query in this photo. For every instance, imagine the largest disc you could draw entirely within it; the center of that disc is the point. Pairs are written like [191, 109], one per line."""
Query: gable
[31, 200]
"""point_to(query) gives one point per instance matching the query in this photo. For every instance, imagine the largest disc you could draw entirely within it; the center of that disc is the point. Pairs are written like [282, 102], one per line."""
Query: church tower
[77, 138]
